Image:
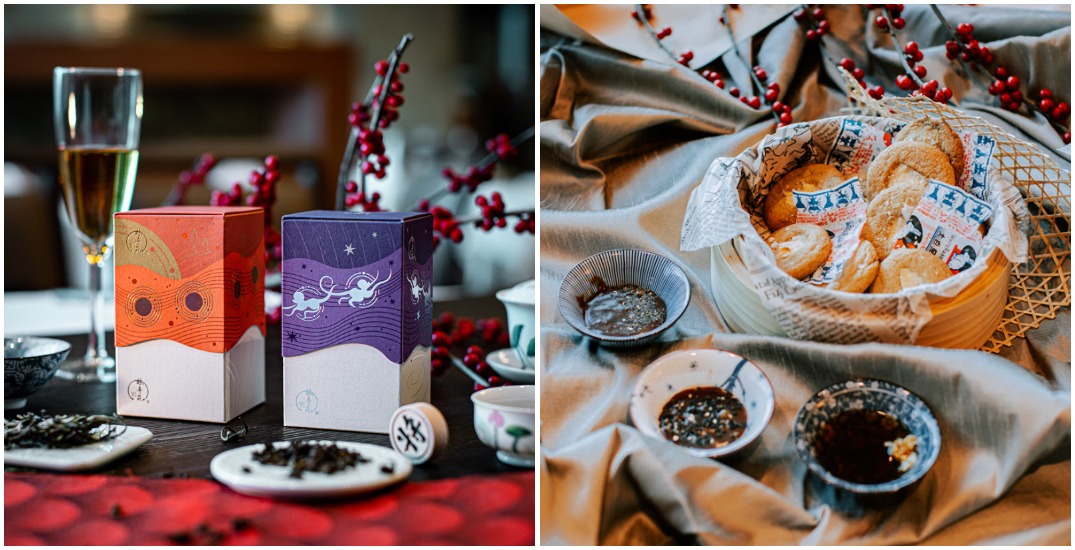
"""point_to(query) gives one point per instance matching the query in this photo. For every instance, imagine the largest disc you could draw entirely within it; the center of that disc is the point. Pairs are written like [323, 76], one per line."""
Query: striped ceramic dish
[624, 267]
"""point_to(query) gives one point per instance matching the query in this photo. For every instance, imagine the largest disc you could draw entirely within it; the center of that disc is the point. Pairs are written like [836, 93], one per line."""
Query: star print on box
[344, 269]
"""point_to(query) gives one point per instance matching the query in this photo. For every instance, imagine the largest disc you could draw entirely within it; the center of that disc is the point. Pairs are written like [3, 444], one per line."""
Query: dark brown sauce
[705, 418]
[851, 446]
[622, 310]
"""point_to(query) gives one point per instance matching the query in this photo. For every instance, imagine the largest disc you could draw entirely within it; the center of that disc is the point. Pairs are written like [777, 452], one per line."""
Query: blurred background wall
[246, 81]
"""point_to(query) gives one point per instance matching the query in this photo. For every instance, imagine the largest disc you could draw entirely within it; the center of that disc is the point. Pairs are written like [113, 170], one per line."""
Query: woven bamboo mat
[1042, 286]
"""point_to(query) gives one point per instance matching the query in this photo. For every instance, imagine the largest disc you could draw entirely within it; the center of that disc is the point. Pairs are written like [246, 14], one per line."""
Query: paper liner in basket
[728, 203]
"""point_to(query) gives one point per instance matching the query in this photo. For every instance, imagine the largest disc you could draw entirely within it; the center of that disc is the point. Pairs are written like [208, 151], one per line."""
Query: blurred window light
[289, 20]
[111, 20]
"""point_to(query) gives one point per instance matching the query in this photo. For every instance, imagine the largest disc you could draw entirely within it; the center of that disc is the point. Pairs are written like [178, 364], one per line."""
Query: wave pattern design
[371, 305]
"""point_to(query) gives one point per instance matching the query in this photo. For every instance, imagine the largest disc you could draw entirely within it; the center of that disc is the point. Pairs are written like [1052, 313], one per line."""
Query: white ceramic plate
[506, 363]
[273, 481]
[683, 370]
[85, 457]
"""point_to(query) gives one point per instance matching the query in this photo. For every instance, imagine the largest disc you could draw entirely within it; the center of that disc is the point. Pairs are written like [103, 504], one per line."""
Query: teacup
[504, 420]
[519, 302]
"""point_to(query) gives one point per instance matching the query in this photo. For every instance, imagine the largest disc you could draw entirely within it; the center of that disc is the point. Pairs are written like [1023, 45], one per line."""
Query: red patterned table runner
[110, 510]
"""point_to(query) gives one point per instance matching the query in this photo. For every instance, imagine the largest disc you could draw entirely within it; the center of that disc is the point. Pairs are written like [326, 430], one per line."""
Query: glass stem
[96, 348]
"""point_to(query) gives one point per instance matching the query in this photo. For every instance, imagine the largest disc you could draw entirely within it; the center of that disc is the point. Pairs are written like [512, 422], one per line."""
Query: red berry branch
[758, 76]
[264, 195]
[817, 27]
[368, 120]
[643, 14]
[494, 215]
[187, 178]
[910, 55]
[467, 338]
[1007, 87]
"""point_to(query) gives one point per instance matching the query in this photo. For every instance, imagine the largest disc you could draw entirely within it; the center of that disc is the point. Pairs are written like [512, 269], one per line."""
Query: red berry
[785, 118]
[917, 56]
[881, 22]
[761, 74]
[823, 27]
[799, 15]
[965, 29]
[1005, 98]
[811, 35]
[381, 67]
[778, 106]
[1067, 137]
[858, 73]
[911, 47]
[754, 102]
[847, 64]
[947, 92]
[818, 13]
[904, 82]
[1017, 96]
[1046, 105]
[1045, 93]
[877, 92]
[1012, 83]
[951, 46]
[771, 95]
[898, 22]
[403, 67]
[920, 71]
[734, 91]
[743, 100]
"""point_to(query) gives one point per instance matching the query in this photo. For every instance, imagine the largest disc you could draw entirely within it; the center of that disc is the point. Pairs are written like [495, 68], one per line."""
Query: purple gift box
[357, 317]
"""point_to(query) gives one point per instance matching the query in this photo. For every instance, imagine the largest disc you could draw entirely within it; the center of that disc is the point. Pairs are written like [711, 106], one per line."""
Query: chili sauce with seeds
[851, 446]
[705, 418]
[622, 310]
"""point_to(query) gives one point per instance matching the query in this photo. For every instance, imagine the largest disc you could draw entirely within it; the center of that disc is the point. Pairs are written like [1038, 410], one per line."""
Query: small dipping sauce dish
[712, 403]
[624, 297]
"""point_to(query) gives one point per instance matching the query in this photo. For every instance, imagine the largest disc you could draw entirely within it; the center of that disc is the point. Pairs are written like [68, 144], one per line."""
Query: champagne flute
[97, 115]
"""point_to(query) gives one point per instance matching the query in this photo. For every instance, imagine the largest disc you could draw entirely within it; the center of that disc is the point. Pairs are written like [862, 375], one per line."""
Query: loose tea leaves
[309, 456]
[61, 431]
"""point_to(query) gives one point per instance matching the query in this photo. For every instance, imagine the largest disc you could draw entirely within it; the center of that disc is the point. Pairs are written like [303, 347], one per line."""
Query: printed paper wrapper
[729, 200]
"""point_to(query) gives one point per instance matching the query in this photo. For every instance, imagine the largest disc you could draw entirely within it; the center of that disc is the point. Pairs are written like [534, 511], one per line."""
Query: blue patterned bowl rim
[862, 385]
[675, 311]
[61, 346]
[768, 394]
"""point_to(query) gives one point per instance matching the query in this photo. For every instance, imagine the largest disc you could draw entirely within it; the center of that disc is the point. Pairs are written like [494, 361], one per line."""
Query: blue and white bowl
[868, 394]
[697, 368]
[29, 362]
[619, 267]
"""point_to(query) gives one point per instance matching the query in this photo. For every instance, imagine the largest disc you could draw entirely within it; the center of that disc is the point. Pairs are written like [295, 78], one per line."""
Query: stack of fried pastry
[895, 183]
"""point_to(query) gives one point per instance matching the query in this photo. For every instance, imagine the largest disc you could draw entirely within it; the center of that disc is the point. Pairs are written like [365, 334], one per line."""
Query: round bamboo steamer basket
[965, 321]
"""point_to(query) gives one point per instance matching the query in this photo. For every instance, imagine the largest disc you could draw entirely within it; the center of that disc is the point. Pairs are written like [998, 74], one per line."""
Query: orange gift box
[190, 315]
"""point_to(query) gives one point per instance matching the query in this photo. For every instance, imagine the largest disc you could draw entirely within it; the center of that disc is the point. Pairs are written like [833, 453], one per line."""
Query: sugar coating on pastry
[800, 248]
[901, 159]
[935, 132]
[907, 268]
[779, 208]
[859, 270]
[888, 212]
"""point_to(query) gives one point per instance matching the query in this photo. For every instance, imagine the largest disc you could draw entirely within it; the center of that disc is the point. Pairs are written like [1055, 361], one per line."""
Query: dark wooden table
[183, 448]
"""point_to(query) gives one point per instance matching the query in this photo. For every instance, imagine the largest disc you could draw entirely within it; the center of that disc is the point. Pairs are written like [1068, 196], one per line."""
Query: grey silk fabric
[623, 143]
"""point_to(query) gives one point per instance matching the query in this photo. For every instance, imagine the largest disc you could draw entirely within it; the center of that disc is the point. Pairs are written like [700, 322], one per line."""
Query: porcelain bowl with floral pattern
[504, 420]
[703, 368]
[29, 362]
[876, 395]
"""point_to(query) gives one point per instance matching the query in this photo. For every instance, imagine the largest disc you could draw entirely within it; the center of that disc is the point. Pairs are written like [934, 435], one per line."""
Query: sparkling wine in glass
[98, 115]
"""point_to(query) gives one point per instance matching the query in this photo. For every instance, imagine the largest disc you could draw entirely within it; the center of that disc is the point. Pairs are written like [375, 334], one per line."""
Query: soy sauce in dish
[622, 310]
[851, 446]
[705, 418]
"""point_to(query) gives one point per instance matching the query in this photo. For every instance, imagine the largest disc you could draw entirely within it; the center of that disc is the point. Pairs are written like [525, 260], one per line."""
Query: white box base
[352, 387]
[166, 379]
